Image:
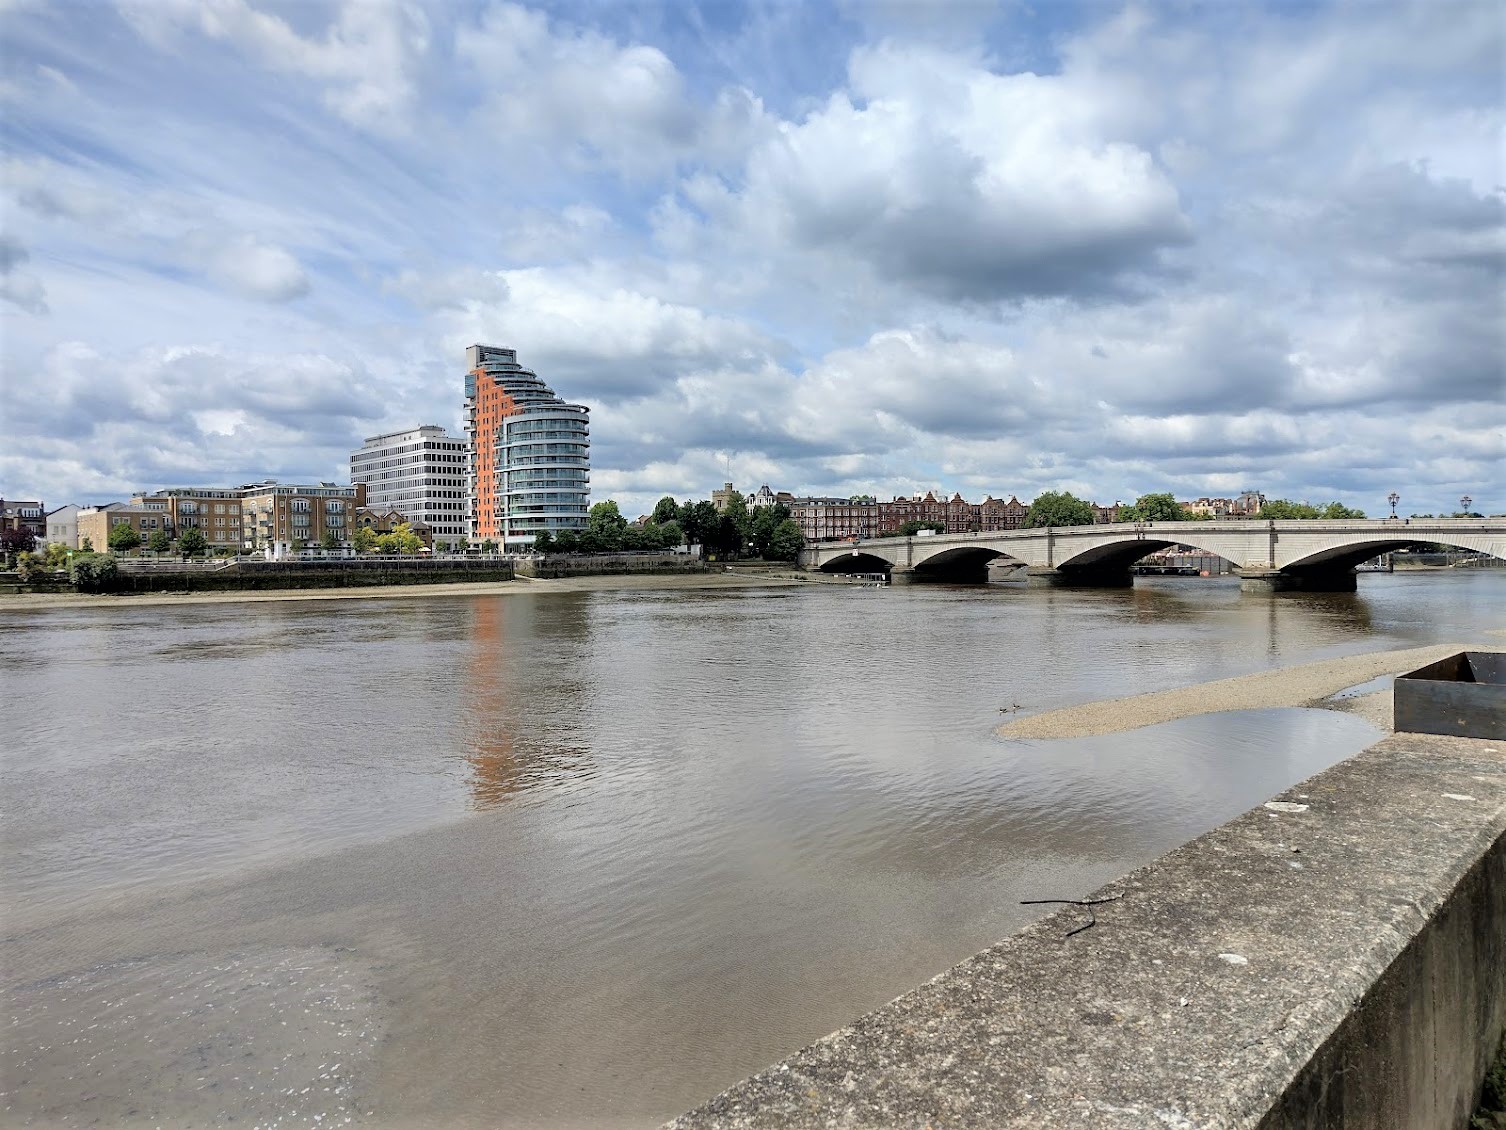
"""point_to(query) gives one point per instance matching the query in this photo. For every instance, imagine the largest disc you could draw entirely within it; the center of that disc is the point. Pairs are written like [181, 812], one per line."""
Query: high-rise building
[530, 462]
[421, 473]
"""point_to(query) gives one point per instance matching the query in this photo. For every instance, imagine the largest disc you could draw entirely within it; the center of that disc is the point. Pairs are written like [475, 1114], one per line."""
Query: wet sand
[1306, 684]
[25, 602]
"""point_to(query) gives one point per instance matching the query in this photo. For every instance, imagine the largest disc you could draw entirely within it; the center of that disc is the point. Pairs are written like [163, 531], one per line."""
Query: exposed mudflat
[1306, 684]
[29, 601]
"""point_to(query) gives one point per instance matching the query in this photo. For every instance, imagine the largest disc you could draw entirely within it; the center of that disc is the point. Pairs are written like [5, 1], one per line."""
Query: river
[585, 858]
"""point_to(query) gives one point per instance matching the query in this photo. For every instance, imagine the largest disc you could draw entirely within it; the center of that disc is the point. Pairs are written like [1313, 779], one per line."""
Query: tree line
[1061, 508]
[768, 532]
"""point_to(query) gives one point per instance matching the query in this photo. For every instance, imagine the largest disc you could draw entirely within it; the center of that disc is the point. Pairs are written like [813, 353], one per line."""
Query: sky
[836, 247]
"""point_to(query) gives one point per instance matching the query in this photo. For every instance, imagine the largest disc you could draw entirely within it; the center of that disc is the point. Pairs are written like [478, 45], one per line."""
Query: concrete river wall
[332, 573]
[608, 565]
[1335, 957]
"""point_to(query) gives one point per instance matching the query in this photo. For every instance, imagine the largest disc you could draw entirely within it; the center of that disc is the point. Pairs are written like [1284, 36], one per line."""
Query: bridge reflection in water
[1312, 555]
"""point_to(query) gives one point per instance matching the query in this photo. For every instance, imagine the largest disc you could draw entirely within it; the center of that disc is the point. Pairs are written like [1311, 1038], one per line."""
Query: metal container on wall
[1461, 696]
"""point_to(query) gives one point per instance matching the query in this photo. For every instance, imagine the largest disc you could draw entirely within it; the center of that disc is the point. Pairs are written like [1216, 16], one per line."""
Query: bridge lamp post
[1464, 504]
[1393, 498]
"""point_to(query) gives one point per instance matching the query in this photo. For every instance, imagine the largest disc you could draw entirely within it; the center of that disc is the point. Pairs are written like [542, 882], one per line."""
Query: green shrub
[94, 572]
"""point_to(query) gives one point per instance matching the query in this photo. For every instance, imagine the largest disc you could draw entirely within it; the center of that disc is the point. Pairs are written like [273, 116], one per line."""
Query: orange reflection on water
[505, 759]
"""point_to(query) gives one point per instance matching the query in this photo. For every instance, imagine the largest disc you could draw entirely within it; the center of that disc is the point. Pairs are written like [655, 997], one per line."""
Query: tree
[93, 572]
[400, 539]
[17, 540]
[87, 546]
[124, 538]
[159, 542]
[701, 521]
[915, 525]
[666, 510]
[488, 546]
[364, 540]
[742, 522]
[567, 541]
[1162, 507]
[761, 531]
[727, 538]
[786, 543]
[29, 565]
[606, 525]
[330, 540]
[192, 542]
[670, 534]
[1059, 508]
[56, 555]
[1338, 510]
[1283, 509]
[543, 542]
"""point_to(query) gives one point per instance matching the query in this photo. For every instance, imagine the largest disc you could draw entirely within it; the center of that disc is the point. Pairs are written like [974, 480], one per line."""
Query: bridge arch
[857, 562]
[961, 563]
[1339, 558]
[1115, 556]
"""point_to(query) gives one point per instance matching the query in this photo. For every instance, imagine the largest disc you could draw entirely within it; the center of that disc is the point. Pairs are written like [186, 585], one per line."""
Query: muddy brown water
[585, 858]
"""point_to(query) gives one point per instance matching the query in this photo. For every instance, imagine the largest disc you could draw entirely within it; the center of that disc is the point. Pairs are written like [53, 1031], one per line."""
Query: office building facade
[530, 463]
[420, 473]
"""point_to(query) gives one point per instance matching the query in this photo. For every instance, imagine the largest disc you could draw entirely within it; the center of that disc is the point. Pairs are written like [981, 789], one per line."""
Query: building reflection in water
[523, 728]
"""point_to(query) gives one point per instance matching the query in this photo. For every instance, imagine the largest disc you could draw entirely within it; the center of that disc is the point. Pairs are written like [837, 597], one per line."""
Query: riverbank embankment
[517, 587]
[1306, 684]
[1334, 957]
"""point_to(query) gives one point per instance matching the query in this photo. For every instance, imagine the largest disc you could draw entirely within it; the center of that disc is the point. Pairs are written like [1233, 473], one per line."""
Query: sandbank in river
[1306, 684]
[28, 601]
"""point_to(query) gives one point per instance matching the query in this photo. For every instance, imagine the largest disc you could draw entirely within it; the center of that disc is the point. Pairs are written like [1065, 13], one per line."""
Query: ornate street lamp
[1393, 498]
[1464, 503]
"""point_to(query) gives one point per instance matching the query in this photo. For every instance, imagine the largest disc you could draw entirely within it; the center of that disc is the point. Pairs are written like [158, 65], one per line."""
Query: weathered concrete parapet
[1335, 958]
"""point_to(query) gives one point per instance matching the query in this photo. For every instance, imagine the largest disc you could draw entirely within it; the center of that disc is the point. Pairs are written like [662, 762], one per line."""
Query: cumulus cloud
[577, 90]
[934, 171]
[586, 331]
[1108, 250]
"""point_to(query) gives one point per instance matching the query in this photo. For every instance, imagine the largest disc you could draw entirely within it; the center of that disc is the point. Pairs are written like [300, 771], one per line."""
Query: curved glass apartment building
[529, 452]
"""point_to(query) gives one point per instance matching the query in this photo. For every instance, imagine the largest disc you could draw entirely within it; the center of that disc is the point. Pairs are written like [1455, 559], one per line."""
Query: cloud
[932, 171]
[247, 266]
[586, 332]
[367, 56]
[559, 86]
[17, 286]
[1103, 249]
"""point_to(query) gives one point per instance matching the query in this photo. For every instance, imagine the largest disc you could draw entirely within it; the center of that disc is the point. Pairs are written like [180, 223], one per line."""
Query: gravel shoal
[1308, 684]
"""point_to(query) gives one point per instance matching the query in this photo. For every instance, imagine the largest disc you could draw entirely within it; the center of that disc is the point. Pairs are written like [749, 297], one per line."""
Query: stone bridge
[1317, 555]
